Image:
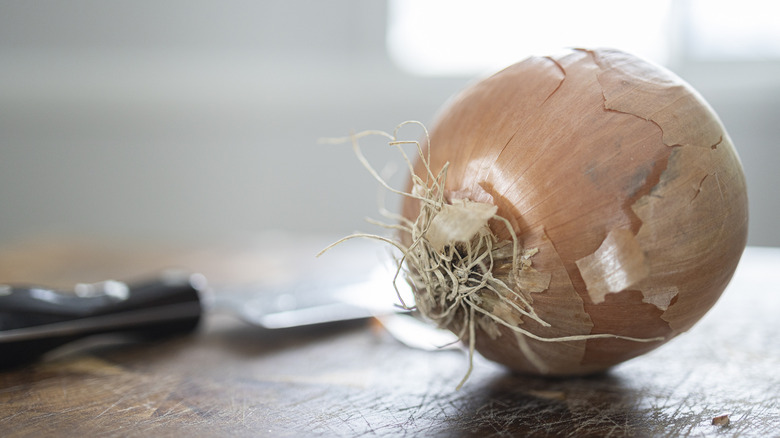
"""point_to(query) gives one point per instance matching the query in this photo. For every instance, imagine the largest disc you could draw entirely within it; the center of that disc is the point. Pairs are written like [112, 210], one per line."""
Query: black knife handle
[35, 320]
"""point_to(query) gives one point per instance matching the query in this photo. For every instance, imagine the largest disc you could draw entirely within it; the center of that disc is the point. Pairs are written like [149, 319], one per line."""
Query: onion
[572, 212]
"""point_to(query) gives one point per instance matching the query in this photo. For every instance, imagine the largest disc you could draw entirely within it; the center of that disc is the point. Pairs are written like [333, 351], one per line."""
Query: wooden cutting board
[229, 379]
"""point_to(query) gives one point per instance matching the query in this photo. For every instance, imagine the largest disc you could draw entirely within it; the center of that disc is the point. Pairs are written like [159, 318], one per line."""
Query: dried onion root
[567, 214]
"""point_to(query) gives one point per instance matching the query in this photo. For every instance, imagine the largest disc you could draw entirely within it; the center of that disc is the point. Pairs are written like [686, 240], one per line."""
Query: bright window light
[728, 30]
[458, 37]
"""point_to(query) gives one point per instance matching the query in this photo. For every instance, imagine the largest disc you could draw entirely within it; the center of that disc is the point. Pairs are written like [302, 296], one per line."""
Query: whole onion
[572, 212]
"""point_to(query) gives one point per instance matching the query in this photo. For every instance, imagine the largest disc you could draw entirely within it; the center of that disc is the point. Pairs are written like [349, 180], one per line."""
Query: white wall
[193, 119]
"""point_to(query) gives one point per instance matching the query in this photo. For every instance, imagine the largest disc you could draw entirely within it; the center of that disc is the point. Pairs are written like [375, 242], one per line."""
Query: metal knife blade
[310, 301]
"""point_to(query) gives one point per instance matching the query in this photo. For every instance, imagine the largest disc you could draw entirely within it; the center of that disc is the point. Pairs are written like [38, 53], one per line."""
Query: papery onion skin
[598, 149]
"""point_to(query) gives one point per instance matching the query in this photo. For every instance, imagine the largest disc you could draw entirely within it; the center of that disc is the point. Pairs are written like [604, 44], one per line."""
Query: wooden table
[231, 379]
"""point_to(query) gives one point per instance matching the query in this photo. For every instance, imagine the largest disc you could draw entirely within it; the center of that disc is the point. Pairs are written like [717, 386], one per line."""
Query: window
[724, 30]
[458, 37]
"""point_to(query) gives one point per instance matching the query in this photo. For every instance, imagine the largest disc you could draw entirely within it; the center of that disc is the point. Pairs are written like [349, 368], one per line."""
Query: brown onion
[573, 212]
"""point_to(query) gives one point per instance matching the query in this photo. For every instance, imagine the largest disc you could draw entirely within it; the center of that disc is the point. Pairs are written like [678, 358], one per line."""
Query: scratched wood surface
[230, 379]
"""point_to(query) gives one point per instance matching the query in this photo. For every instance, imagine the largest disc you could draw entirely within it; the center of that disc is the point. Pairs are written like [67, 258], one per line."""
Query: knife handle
[35, 320]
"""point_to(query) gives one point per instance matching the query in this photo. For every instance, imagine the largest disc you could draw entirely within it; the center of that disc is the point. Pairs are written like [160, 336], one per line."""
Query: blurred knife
[34, 320]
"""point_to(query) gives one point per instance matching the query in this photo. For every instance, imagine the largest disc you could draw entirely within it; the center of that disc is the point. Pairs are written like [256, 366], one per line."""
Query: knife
[35, 320]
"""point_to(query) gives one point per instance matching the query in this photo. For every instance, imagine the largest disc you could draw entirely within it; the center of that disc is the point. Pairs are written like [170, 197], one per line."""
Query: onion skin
[621, 176]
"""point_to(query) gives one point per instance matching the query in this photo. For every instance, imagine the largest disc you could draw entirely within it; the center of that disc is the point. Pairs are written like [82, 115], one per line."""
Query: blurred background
[185, 120]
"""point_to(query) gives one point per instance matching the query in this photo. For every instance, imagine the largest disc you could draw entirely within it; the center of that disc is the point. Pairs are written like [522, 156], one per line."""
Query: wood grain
[229, 379]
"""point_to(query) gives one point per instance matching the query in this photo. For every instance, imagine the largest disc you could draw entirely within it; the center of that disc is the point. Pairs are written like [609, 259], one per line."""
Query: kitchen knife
[35, 320]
